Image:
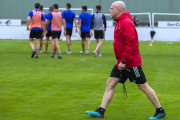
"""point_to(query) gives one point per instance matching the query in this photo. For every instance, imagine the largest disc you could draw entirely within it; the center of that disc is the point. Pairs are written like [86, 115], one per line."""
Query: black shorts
[134, 74]
[98, 34]
[48, 34]
[56, 35]
[36, 34]
[85, 35]
[69, 32]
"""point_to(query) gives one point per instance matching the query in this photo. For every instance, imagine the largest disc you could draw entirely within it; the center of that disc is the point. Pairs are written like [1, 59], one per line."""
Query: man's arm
[75, 24]
[28, 19]
[64, 23]
[104, 21]
[79, 26]
[128, 33]
[92, 24]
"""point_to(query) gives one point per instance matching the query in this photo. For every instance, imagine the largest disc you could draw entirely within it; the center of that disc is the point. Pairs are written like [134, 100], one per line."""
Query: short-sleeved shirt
[85, 21]
[46, 17]
[42, 19]
[69, 17]
[51, 17]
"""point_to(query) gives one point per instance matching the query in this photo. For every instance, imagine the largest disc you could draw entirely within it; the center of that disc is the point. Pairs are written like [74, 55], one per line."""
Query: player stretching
[84, 28]
[128, 62]
[56, 19]
[36, 28]
[69, 18]
[48, 31]
[41, 40]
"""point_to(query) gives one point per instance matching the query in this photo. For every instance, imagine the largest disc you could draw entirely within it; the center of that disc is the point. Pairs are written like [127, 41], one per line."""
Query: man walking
[84, 28]
[37, 28]
[48, 31]
[69, 18]
[98, 19]
[56, 19]
[128, 62]
[41, 40]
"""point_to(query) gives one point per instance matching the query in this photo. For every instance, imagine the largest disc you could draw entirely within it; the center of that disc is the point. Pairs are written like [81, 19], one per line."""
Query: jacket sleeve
[127, 30]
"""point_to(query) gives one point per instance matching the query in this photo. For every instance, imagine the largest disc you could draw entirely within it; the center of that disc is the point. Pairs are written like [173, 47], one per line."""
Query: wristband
[123, 62]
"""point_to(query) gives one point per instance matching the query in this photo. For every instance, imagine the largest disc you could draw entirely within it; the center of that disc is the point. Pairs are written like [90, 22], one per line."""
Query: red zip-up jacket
[126, 45]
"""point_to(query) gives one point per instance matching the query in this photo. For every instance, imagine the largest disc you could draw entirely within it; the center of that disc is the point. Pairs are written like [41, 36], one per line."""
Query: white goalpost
[74, 9]
[147, 13]
[153, 14]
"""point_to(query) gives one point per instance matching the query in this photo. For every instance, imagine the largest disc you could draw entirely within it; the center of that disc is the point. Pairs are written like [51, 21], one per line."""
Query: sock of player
[52, 50]
[160, 110]
[59, 54]
[87, 50]
[34, 50]
[101, 110]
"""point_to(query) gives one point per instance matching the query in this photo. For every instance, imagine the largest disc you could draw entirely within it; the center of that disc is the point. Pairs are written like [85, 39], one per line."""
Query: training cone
[150, 44]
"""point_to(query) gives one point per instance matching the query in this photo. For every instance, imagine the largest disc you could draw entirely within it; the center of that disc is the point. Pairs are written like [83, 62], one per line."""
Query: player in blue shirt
[69, 18]
[48, 31]
[57, 19]
[84, 28]
[37, 28]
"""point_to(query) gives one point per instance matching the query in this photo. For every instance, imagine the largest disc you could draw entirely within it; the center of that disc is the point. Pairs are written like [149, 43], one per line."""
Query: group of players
[51, 25]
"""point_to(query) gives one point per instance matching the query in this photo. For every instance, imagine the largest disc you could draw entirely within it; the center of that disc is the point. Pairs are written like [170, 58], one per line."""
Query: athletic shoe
[68, 52]
[36, 56]
[40, 51]
[100, 55]
[95, 114]
[87, 52]
[52, 52]
[45, 51]
[82, 52]
[33, 53]
[59, 57]
[158, 115]
[95, 53]
[52, 55]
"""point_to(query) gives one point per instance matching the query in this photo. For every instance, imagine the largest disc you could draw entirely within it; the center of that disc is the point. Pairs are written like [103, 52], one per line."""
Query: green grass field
[64, 89]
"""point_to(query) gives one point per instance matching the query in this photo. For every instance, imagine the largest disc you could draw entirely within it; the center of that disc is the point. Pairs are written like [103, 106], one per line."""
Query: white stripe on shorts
[136, 72]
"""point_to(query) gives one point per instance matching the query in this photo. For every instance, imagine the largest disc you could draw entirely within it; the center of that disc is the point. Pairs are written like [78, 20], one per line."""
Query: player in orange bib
[37, 28]
[56, 19]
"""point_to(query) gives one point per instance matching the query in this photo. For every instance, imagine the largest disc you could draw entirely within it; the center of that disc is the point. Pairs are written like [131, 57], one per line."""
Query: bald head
[119, 5]
[117, 8]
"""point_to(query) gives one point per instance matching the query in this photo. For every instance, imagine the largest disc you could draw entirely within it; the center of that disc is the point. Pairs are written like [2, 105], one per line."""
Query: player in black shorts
[99, 23]
[37, 28]
[48, 32]
[128, 65]
[69, 18]
[84, 25]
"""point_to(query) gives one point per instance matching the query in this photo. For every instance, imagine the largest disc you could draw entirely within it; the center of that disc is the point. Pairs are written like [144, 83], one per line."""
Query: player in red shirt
[128, 62]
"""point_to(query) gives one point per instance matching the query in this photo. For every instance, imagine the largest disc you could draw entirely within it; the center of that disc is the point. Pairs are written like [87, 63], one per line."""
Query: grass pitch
[63, 89]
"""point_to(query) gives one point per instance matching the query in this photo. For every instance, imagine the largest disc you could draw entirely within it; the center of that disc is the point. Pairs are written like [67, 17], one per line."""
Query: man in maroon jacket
[128, 61]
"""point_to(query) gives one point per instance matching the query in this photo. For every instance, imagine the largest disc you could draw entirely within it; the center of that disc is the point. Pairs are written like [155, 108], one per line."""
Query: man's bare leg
[88, 45]
[31, 43]
[83, 45]
[46, 44]
[150, 94]
[68, 38]
[57, 48]
[41, 43]
[109, 92]
[37, 47]
[100, 41]
[53, 47]
[32, 47]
